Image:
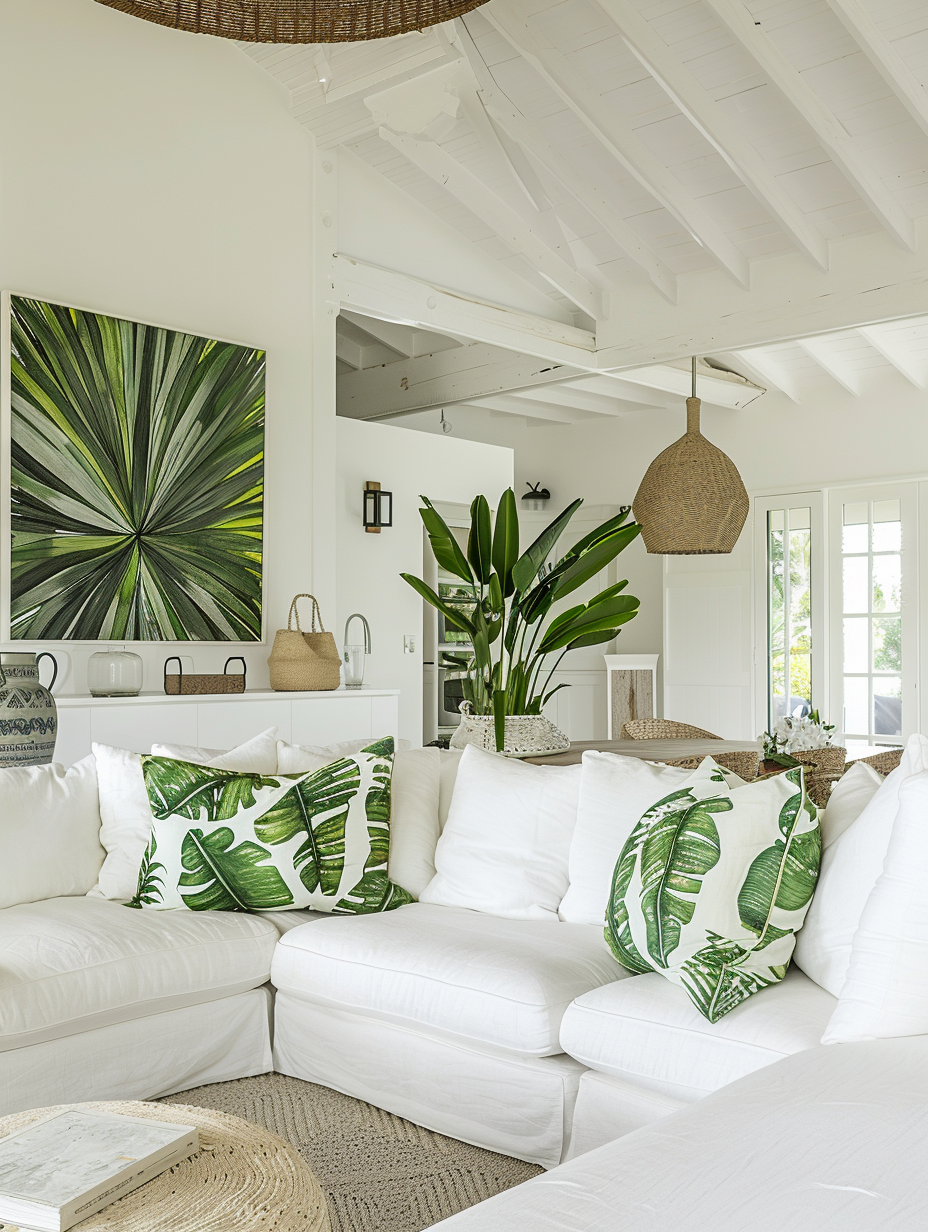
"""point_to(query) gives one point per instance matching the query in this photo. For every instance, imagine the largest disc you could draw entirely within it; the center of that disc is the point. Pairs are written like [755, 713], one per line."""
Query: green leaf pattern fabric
[226, 841]
[713, 884]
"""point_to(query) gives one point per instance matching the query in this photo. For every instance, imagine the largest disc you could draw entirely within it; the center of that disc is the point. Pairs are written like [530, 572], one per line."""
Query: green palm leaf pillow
[713, 884]
[225, 841]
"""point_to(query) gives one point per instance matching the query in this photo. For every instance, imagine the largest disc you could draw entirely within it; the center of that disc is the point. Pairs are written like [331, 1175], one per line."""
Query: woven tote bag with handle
[304, 661]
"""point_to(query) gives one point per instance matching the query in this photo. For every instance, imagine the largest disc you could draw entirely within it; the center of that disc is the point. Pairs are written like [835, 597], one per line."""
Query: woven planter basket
[691, 500]
[527, 735]
[295, 21]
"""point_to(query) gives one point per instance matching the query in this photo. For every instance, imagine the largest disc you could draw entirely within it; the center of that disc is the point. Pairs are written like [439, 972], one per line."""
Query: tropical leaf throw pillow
[226, 841]
[713, 884]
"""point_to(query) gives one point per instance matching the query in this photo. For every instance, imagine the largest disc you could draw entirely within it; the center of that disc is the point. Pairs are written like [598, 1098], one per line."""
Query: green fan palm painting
[137, 480]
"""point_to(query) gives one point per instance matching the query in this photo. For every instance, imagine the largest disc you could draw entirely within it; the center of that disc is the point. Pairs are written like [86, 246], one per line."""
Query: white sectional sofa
[522, 1036]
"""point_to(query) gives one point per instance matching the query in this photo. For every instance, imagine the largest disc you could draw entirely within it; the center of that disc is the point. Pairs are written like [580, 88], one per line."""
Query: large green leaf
[717, 982]
[526, 568]
[594, 559]
[681, 846]
[137, 480]
[783, 875]
[316, 807]
[378, 808]
[454, 617]
[232, 878]
[594, 617]
[374, 892]
[480, 541]
[444, 545]
[182, 789]
[506, 540]
[150, 888]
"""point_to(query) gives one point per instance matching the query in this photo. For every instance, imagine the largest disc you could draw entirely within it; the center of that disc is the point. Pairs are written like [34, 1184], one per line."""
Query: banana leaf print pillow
[226, 841]
[713, 884]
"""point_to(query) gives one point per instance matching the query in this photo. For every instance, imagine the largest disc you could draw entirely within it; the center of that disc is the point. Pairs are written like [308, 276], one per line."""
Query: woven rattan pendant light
[691, 500]
[296, 21]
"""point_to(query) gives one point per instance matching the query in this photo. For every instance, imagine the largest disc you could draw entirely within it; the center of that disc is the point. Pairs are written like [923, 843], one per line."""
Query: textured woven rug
[379, 1172]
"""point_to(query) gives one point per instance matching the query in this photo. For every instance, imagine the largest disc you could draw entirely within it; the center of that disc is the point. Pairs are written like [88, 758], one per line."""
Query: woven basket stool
[243, 1178]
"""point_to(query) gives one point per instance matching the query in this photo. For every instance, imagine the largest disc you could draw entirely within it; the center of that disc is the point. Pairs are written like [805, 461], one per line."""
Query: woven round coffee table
[243, 1178]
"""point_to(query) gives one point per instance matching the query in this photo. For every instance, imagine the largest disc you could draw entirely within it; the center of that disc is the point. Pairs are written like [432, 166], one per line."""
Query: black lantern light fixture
[378, 508]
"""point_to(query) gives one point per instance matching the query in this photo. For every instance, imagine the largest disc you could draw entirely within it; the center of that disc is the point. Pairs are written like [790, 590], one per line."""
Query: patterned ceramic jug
[28, 715]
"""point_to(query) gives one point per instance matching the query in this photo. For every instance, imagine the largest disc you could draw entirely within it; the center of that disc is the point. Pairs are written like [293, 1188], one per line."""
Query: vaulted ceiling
[592, 145]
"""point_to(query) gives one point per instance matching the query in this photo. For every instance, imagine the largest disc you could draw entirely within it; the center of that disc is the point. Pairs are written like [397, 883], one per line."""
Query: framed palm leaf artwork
[136, 480]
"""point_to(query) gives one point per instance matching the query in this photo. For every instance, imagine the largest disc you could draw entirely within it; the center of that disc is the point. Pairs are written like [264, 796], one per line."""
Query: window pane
[856, 527]
[887, 511]
[777, 687]
[887, 584]
[775, 519]
[856, 584]
[857, 705]
[856, 648]
[887, 645]
[800, 519]
[887, 706]
[887, 536]
[800, 673]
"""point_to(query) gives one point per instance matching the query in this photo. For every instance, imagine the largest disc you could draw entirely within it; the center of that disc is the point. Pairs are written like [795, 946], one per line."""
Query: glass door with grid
[873, 567]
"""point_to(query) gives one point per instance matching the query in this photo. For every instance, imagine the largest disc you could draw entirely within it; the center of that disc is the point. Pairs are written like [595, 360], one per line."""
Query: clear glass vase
[354, 666]
[116, 672]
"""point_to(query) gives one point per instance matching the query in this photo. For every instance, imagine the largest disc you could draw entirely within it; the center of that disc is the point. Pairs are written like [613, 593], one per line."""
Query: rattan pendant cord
[691, 501]
[296, 21]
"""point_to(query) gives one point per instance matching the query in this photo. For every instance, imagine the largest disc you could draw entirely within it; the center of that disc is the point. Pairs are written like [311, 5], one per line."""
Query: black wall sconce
[378, 508]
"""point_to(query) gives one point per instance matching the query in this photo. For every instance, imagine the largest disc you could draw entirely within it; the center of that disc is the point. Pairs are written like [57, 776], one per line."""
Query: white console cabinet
[220, 721]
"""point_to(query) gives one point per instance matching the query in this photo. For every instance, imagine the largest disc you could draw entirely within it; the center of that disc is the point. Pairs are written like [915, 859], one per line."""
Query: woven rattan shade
[691, 500]
[296, 21]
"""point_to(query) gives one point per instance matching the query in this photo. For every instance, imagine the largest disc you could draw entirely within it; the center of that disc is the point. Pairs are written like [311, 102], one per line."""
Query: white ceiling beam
[403, 339]
[884, 57]
[406, 300]
[441, 379]
[886, 346]
[595, 202]
[639, 397]
[829, 131]
[719, 128]
[565, 393]
[514, 404]
[499, 216]
[760, 366]
[618, 137]
[348, 352]
[719, 389]
[819, 350]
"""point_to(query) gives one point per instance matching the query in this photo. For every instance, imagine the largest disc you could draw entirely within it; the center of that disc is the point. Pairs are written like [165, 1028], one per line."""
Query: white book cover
[67, 1166]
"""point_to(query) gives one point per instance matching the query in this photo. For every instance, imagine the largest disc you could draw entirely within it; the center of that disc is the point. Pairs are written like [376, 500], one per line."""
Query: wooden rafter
[717, 126]
[829, 131]
[904, 363]
[760, 366]
[829, 362]
[618, 137]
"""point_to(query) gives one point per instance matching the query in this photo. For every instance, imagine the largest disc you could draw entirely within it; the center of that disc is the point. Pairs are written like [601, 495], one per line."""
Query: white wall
[408, 464]
[159, 176]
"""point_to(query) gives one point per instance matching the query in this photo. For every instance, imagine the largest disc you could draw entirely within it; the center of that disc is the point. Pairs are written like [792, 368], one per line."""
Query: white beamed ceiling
[655, 137]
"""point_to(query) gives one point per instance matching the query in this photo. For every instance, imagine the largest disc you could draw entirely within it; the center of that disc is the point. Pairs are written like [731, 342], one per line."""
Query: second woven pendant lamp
[692, 500]
[296, 21]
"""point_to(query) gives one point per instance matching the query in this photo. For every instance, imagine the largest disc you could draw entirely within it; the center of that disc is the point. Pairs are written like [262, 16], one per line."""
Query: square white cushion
[125, 814]
[614, 793]
[886, 990]
[414, 819]
[49, 832]
[646, 1030]
[503, 982]
[255, 756]
[850, 869]
[851, 795]
[72, 964]
[504, 846]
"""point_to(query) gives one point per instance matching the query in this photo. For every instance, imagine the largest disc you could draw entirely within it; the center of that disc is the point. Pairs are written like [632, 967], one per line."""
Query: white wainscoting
[581, 712]
[221, 722]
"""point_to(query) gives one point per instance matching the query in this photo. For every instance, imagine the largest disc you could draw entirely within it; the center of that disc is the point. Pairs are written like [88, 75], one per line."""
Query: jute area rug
[379, 1172]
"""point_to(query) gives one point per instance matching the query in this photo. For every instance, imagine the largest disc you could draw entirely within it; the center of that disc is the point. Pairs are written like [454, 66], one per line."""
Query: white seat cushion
[502, 982]
[647, 1030]
[72, 964]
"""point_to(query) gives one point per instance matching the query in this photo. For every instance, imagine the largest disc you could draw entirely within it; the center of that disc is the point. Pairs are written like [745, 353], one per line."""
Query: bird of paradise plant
[510, 668]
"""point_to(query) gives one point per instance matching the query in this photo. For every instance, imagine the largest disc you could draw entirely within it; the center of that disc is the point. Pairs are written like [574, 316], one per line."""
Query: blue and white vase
[28, 715]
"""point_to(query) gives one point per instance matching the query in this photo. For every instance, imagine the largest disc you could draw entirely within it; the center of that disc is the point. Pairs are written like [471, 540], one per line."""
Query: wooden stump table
[243, 1178]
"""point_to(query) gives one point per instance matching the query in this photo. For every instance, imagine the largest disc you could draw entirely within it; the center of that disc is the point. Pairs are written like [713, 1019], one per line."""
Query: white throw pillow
[49, 832]
[125, 814]
[504, 847]
[851, 795]
[414, 826]
[850, 869]
[255, 756]
[614, 793]
[886, 991]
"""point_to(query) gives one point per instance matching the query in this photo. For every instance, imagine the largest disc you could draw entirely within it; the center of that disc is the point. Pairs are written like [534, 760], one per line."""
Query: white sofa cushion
[72, 964]
[255, 756]
[851, 795]
[647, 1030]
[125, 813]
[850, 869]
[49, 832]
[502, 982]
[614, 793]
[504, 847]
[886, 990]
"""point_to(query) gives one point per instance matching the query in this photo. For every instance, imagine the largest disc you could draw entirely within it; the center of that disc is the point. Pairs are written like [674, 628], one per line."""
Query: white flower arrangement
[791, 735]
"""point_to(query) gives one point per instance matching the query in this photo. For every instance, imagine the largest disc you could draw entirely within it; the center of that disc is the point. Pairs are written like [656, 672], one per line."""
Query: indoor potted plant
[512, 630]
